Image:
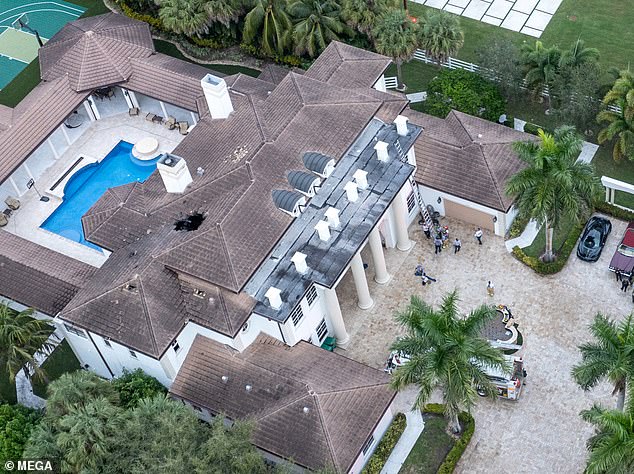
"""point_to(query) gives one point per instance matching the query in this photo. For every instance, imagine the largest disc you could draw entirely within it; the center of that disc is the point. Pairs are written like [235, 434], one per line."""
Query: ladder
[419, 199]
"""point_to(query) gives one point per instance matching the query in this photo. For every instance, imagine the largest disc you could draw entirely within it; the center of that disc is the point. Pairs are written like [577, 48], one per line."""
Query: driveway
[542, 432]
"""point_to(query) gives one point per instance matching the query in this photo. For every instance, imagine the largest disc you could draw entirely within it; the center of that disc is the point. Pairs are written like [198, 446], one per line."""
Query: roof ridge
[227, 256]
[177, 72]
[495, 182]
[352, 389]
[224, 307]
[279, 408]
[324, 427]
[110, 59]
[147, 313]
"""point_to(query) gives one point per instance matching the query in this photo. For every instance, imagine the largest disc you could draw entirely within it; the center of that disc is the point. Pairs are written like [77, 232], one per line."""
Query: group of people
[626, 281]
[419, 271]
[441, 237]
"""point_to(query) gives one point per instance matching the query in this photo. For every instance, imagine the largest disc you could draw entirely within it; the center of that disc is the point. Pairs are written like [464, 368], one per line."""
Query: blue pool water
[88, 184]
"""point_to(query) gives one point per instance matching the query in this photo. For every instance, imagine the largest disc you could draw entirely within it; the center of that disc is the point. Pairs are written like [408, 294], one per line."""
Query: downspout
[100, 354]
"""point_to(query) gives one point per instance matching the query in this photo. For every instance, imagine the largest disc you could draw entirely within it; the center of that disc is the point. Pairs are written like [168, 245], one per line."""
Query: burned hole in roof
[190, 223]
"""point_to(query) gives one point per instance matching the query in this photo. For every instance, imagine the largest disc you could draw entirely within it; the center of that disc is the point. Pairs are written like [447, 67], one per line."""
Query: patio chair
[4, 220]
[133, 111]
[183, 127]
[330, 343]
[12, 203]
[157, 119]
[150, 117]
[170, 123]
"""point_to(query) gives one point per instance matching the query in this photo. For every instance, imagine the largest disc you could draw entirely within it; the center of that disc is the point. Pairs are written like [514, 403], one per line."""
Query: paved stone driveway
[526, 16]
[542, 432]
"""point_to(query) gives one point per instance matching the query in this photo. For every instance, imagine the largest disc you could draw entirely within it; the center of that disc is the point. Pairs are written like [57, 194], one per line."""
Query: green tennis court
[18, 47]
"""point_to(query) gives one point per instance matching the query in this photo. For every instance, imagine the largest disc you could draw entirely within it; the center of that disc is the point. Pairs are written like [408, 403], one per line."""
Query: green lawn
[431, 448]
[602, 24]
[62, 360]
[168, 48]
[605, 165]
[536, 249]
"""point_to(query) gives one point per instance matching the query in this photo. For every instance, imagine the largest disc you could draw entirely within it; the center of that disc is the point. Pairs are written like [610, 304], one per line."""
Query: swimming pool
[88, 184]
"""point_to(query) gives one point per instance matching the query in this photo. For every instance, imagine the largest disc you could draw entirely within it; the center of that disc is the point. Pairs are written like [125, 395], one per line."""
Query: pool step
[57, 189]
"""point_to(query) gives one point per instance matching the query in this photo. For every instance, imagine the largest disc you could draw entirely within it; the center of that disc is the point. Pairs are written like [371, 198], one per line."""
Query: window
[311, 295]
[106, 341]
[176, 346]
[322, 331]
[133, 354]
[297, 314]
[75, 331]
[411, 202]
[368, 445]
[245, 327]
[199, 293]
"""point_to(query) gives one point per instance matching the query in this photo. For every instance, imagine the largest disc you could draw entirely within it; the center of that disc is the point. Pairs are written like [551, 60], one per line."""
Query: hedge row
[518, 226]
[149, 19]
[614, 211]
[468, 427]
[385, 447]
[549, 268]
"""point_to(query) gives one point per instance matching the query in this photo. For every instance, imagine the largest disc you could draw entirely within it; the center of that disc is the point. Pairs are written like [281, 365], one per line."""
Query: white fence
[453, 63]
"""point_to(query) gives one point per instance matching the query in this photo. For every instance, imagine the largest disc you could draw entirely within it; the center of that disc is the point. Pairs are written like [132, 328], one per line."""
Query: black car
[593, 239]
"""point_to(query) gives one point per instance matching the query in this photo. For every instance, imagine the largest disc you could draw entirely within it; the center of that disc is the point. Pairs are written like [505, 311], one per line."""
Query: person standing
[426, 230]
[490, 288]
[438, 245]
[624, 284]
[633, 296]
[617, 273]
[478, 235]
[456, 245]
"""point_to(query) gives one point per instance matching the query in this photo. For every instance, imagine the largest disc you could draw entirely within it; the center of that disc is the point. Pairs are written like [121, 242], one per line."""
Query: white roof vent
[299, 259]
[381, 151]
[401, 125]
[323, 230]
[361, 178]
[248, 388]
[225, 379]
[332, 215]
[274, 295]
[351, 191]
[174, 172]
[306, 410]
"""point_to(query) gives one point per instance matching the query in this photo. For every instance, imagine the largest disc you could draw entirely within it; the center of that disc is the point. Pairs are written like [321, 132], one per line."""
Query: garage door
[466, 214]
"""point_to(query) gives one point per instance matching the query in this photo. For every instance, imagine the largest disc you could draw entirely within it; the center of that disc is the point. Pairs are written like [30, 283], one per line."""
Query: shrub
[531, 128]
[153, 21]
[286, 60]
[206, 42]
[468, 427]
[466, 92]
[548, 268]
[518, 226]
[385, 447]
[16, 423]
[133, 386]
[614, 211]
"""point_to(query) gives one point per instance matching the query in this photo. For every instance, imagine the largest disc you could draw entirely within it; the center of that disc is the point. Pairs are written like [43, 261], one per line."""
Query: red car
[623, 258]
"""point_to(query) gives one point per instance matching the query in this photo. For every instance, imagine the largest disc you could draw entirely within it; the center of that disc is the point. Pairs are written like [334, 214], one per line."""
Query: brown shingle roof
[467, 157]
[95, 51]
[36, 118]
[345, 399]
[6, 117]
[38, 277]
[273, 73]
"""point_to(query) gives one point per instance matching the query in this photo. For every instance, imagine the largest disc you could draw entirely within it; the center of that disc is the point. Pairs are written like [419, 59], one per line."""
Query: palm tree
[554, 184]
[612, 446]
[609, 356]
[21, 336]
[621, 122]
[269, 22]
[440, 35]
[395, 35]
[223, 11]
[446, 351]
[77, 388]
[362, 15]
[186, 17]
[317, 23]
[578, 55]
[541, 65]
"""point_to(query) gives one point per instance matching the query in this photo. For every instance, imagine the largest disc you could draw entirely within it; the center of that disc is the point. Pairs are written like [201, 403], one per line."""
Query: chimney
[361, 178]
[332, 215]
[323, 230]
[351, 191]
[381, 151]
[174, 172]
[273, 295]
[217, 96]
[299, 259]
[401, 125]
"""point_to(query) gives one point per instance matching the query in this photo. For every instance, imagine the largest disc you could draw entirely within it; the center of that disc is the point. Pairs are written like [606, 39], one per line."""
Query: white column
[28, 171]
[15, 186]
[52, 147]
[336, 318]
[194, 118]
[62, 127]
[163, 108]
[133, 99]
[381, 276]
[607, 194]
[399, 207]
[126, 96]
[89, 110]
[361, 283]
